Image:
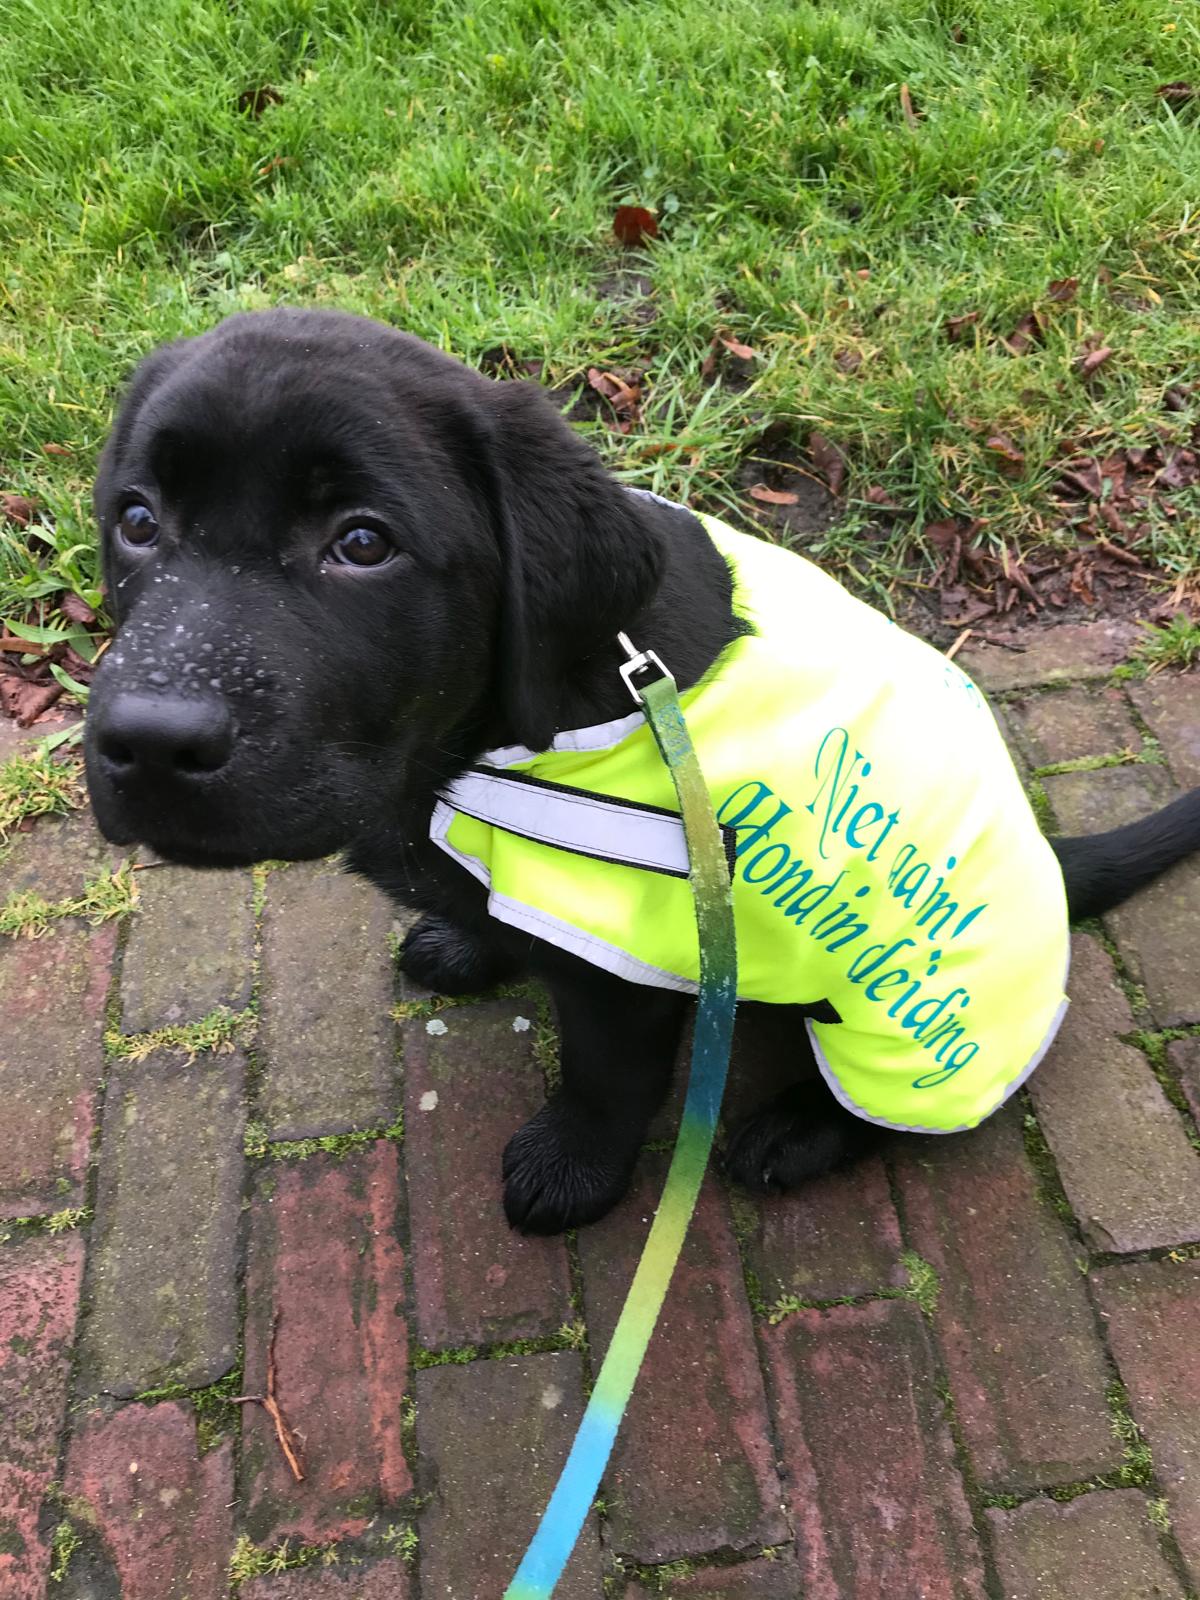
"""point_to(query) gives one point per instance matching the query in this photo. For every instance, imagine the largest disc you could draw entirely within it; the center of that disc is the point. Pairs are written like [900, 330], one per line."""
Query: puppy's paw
[445, 958]
[559, 1175]
[799, 1135]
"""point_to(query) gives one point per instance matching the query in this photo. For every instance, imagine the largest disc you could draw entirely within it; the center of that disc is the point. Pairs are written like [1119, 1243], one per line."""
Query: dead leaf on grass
[624, 398]
[736, 348]
[828, 460]
[77, 610]
[253, 102]
[17, 508]
[773, 497]
[1176, 93]
[1013, 458]
[1086, 364]
[876, 496]
[55, 450]
[1062, 290]
[633, 225]
[956, 327]
[1027, 332]
[906, 106]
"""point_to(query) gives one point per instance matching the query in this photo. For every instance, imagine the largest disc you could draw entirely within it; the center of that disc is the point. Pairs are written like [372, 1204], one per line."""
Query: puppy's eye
[137, 526]
[361, 547]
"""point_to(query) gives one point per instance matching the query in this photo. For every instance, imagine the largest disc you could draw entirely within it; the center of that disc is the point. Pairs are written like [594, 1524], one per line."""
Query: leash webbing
[563, 1519]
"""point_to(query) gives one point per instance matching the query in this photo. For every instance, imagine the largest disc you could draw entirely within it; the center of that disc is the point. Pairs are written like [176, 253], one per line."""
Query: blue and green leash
[563, 1519]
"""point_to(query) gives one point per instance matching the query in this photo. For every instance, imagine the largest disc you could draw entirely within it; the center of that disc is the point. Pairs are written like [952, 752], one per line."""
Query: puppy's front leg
[572, 1162]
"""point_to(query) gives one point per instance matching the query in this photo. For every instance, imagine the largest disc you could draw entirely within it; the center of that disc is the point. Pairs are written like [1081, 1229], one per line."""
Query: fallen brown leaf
[876, 496]
[1177, 93]
[956, 327]
[906, 105]
[1089, 363]
[253, 102]
[77, 610]
[633, 225]
[55, 450]
[735, 347]
[847, 361]
[1028, 331]
[773, 497]
[1012, 459]
[622, 396]
[828, 460]
[25, 702]
[17, 508]
[1062, 290]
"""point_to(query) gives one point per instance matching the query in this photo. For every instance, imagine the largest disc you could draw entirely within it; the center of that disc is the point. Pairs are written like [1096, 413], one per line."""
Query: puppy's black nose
[165, 734]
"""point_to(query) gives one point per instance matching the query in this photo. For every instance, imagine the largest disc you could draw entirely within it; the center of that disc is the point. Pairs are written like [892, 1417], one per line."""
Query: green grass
[26, 914]
[454, 169]
[34, 785]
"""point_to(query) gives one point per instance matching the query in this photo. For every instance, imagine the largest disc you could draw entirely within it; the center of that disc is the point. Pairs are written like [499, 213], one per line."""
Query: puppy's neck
[687, 622]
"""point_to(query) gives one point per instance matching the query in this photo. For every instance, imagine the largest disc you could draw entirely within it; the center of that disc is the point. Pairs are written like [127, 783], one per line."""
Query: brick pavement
[235, 1157]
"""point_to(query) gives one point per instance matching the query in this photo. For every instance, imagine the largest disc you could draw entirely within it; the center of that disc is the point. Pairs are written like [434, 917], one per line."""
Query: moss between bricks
[217, 1033]
[64, 1542]
[656, 1578]
[570, 1336]
[1124, 758]
[923, 1288]
[1153, 1046]
[1045, 1170]
[257, 1145]
[56, 1222]
[250, 1561]
[110, 895]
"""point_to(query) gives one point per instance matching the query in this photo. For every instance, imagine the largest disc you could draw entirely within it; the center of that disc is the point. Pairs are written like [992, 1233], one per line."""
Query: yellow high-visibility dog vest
[884, 855]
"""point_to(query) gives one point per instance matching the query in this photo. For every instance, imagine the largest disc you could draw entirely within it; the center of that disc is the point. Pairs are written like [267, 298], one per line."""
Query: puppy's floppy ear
[581, 557]
[149, 375]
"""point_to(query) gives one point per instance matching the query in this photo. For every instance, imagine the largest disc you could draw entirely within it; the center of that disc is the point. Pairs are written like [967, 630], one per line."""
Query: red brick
[757, 1580]
[190, 950]
[375, 1580]
[163, 1265]
[162, 1510]
[877, 1502]
[693, 1468]
[58, 858]
[1170, 705]
[327, 1273]
[1184, 1056]
[1032, 1410]
[1155, 930]
[52, 994]
[833, 1237]
[1072, 651]
[1152, 1311]
[1122, 1153]
[1099, 1547]
[1072, 725]
[326, 999]
[39, 1298]
[466, 1092]
[492, 1437]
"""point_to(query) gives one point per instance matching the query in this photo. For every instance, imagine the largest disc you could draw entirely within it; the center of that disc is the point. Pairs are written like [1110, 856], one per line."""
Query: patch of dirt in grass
[785, 499]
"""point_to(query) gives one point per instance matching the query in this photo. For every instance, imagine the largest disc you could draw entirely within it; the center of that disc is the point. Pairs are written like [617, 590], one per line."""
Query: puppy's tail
[1102, 869]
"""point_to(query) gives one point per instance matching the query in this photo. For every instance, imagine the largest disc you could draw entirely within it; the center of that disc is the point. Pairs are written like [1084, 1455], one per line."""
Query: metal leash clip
[639, 661]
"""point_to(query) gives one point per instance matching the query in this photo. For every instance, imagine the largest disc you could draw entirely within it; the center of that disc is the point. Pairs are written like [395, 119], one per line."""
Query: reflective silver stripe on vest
[585, 823]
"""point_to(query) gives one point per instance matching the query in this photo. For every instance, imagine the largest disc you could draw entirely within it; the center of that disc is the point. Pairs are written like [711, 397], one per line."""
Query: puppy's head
[341, 564]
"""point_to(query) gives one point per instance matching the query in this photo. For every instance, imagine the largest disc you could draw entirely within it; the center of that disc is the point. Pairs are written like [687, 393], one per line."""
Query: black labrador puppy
[343, 566]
